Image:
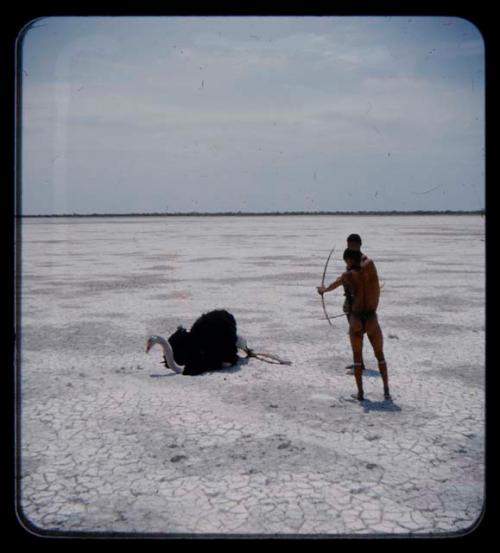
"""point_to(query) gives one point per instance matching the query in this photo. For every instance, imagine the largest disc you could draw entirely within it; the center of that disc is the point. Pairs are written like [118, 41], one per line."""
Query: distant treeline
[260, 214]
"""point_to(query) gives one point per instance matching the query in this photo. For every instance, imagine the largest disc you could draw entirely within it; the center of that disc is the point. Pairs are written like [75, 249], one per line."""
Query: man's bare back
[363, 285]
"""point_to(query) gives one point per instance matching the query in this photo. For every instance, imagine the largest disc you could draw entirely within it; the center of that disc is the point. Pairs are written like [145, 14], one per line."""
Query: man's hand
[335, 284]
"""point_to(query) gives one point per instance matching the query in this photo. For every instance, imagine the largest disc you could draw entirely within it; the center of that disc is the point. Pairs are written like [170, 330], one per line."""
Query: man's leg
[350, 368]
[376, 338]
[356, 337]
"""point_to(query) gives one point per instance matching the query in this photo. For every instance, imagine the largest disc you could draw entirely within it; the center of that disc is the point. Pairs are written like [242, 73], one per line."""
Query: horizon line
[259, 213]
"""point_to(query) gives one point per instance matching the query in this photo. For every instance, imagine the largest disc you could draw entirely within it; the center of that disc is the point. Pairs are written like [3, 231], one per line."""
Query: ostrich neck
[168, 353]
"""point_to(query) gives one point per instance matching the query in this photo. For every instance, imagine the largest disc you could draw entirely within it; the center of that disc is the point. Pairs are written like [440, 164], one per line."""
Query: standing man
[353, 243]
[361, 282]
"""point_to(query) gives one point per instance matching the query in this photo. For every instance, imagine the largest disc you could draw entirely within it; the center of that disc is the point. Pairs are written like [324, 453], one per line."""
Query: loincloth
[364, 316]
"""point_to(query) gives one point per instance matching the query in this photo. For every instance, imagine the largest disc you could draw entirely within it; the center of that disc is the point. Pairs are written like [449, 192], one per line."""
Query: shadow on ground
[385, 405]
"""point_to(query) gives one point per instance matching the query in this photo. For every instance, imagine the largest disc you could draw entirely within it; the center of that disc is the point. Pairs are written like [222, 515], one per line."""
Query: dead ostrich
[212, 343]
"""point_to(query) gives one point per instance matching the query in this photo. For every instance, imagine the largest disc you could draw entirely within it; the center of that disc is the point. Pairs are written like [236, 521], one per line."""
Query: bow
[323, 283]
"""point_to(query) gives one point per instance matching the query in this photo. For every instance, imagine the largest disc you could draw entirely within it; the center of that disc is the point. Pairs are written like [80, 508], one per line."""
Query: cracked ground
[110, 441]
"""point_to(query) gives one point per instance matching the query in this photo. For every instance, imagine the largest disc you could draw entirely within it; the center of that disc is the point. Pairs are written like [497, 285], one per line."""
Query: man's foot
[350, 369]
[387, 395]
[359, 397]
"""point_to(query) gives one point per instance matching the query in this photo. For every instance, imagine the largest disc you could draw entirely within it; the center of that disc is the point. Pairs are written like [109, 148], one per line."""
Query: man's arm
[335, 284]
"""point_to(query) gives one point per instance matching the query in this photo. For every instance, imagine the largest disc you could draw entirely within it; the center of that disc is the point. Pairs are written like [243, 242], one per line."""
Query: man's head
[352, 258]
[354, 242]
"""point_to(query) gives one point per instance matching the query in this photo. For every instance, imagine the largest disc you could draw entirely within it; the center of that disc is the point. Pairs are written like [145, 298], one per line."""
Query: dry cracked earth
[111, 442]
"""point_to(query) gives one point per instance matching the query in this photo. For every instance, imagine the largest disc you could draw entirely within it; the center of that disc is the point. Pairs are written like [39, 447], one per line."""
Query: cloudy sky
[251, 114]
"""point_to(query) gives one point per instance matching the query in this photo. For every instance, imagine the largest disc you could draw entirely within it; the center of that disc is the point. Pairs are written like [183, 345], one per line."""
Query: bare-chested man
[353, 243]
[361, 281]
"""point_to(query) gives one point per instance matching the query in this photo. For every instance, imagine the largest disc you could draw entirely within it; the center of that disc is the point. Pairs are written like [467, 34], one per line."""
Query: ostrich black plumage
[210, 344]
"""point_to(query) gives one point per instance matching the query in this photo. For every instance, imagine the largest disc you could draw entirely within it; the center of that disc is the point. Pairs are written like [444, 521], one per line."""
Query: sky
[251, 114]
